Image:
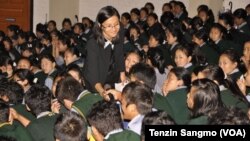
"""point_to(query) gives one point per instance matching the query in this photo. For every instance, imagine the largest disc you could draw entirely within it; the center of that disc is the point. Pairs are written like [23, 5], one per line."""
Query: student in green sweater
[204, 100]
[38, 101]
[175, 89]
[8, 129]
[230, 92]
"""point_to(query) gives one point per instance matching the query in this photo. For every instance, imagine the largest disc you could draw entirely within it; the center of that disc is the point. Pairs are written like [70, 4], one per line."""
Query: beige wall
[60, 9]
[40, 10]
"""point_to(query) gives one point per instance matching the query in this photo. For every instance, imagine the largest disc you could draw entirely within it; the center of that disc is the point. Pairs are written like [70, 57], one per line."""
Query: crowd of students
[106, 80]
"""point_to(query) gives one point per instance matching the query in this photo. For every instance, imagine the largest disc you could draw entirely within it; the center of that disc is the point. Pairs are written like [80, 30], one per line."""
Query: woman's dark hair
[66, 20]
[126, 15]
[182, 74]
[207, 99]
[151, 6]
[222, 29]
[14, 28]
[201, 34]
[167, 18]
[227, 18]
[175, 28]
[196, 23]
[104, 14]
[135, 11]
[64, 40]
[74, 51]
[208, 12]
[156, 57]
[76, 68]
[49, 57]
[240, 13]
[144, 9]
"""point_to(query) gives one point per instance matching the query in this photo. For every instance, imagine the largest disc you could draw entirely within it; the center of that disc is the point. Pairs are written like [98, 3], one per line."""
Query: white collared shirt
[135, 124]
[188, 65]
[113, 132]
[43, 114]
[107, 43]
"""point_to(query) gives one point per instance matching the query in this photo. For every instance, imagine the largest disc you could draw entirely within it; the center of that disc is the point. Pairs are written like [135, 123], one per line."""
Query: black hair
[126, 15]
[74, 51]
[221, 28]
[208, 12]
[64, 40]
[227, 18]
[38, 99]
[52, 22]
[139, 94]
[18, 92]
[232, 116]
[66, 20]
[182, 74]
[175, 28]
[151, 6]
[196, 23]
[41, 28]
[156, 118]
[14, 28]
[202, 34]
[167, 18]
[49, 57]
[80, 25]
[4, 110]
[69, 89]
[105, 117]
[145, 73]
[240, 13]
[70, 126]
[104, 14]
[135, 11]
[76, 68]
[207, 99]
[7, 138]
[144, 9]
[153, 15]
[156, 57]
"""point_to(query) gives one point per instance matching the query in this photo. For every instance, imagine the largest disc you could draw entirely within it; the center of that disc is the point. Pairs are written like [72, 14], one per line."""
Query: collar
[127, 26]
[216, 42]
[113, 132]
[51, 72]
[5, 123]
[241, 25]
[181, 87]
[234, 71]
[188, 65]
[222, 87]
[82, 94]
[42, 114]
[173, 45]
[107, 43]
[86, 31]
[202, 44]
[135, 124]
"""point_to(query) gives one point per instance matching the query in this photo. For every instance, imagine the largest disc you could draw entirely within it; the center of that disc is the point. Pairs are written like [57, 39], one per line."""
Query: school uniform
[171, 53]
[135, 124]
[15, 131]
[103, 64]
[41, 76]
[238, 37]
[42, 129]
[161, 103]
[230, 99]
[178, 102]
[50, 78]
[201, 120]
[189, 67]
[209, 53]
[244, 28]
[84, 103]
[46, 50]
[122, 135]
[21, 109]
[79, 62]
[235, 75]
[223, 45]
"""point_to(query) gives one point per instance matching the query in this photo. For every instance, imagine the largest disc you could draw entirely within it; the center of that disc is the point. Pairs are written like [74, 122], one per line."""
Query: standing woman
[104, 62]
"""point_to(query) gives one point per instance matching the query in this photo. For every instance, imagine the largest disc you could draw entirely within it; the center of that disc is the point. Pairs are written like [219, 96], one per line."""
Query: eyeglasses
[109, 27]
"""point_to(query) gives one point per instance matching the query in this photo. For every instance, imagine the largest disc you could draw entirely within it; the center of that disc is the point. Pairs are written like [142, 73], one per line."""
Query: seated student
[47, 46]
[230, 93]
[73, 56]
[155, 118]
[204, 100]
[72, 94]
[32, 65]
[229, 61]
[136, 101]
[12, 94]
[240, 20]
[24, 78]
[155, 58]
[48, 65]
[76, 72]
[217, 36]
[38, 101]
[131, 59]
[233, 116]
[200, 37]
[106, 123]
[70, 127]
[175, 89]
[184, 57]
[18, 132]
